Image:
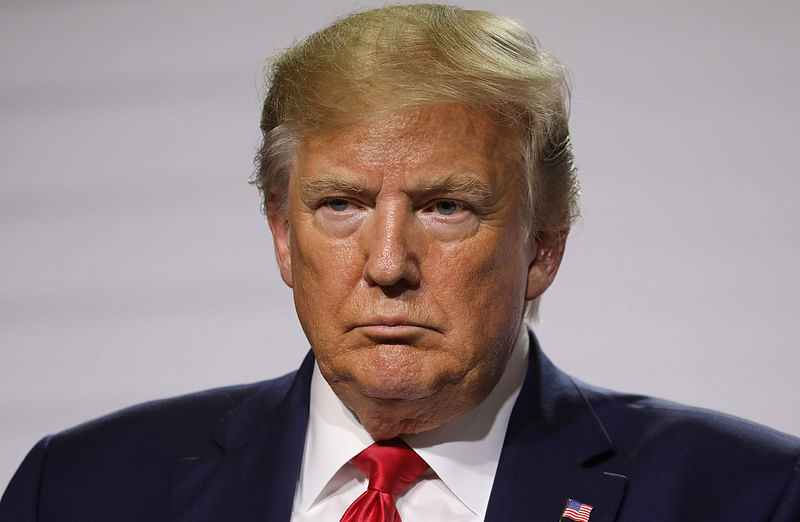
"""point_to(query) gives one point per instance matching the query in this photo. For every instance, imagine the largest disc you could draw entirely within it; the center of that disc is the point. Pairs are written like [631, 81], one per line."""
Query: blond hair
[372, 63]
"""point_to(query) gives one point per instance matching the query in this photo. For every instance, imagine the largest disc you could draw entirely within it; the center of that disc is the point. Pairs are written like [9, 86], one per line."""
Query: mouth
[392, 328]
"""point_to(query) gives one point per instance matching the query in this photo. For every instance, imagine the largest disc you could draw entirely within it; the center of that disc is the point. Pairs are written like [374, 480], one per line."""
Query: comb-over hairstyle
[376, 62]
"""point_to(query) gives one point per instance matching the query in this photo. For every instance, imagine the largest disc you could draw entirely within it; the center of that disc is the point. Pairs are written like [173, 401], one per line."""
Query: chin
[400, 372]
[393, 387]
[382, 432]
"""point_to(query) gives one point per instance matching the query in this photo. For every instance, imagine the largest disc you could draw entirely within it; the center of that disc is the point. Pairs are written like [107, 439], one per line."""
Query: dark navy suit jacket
[233, 455]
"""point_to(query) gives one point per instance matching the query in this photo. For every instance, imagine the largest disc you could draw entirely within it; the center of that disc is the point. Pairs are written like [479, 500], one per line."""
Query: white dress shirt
[462, 455]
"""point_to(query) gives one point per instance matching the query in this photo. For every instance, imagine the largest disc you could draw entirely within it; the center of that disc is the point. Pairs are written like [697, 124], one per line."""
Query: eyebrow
[458, 182]
[465, 183]
[329, 183]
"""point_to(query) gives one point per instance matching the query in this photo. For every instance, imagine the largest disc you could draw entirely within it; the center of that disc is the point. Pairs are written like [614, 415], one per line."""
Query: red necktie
[391, 466]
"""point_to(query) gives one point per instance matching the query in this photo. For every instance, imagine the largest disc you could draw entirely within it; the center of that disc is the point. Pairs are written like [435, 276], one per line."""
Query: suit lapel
[552, 451]
[254, 477]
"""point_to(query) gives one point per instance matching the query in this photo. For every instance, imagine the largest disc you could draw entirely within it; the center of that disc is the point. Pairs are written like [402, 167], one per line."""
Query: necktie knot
[391, 466]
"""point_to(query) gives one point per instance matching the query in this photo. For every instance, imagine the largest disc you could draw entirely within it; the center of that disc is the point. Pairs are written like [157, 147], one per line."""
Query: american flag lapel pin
[577, 511]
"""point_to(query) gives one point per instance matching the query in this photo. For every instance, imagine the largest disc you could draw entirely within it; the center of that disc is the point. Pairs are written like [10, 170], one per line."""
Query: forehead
[445, 138]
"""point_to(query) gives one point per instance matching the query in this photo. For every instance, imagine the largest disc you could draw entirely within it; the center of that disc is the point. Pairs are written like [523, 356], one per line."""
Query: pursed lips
[392, 326]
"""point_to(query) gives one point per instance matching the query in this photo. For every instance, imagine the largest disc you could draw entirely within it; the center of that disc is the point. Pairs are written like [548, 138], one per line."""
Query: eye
[338, 204]
[447, 207]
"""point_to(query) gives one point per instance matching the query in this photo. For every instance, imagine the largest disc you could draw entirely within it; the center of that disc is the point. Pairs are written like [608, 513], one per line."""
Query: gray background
[135, 265]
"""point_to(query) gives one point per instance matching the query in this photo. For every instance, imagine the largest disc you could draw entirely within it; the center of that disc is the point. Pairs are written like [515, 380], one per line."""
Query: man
[418, 181]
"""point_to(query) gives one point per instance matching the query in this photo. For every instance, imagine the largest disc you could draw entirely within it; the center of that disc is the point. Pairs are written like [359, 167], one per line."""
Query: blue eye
[338, 204]
[446, 207]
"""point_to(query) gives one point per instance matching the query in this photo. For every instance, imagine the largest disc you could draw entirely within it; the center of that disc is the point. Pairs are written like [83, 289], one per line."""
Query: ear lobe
[545, 263]
[278, 218]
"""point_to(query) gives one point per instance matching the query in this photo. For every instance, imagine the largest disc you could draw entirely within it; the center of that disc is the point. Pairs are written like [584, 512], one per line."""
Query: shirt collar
[463, 452]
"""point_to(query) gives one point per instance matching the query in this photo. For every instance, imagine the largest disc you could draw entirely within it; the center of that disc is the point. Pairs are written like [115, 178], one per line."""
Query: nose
[391, 260]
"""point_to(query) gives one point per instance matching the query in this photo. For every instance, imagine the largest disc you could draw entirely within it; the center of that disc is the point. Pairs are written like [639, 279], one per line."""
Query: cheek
[325, 275]
[321, 256]
[324, 271]
[482, 261]
[481, 284]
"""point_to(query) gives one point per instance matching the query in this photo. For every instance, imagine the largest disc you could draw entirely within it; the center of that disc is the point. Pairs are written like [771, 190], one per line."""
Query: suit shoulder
[120, 466]
[646, 426]
[184, 420]
[684, 458]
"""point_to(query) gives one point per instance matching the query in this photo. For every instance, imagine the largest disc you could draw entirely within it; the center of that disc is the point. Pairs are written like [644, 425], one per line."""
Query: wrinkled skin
[406, 248]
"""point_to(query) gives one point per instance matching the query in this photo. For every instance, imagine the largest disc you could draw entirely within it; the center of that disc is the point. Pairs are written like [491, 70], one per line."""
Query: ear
[549, 249]
[278, 217]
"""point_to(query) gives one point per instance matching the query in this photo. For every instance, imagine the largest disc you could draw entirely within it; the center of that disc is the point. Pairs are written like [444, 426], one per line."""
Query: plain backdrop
[134, 263]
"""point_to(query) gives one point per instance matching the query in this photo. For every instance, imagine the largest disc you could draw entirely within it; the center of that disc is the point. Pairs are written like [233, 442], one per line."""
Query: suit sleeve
[788, 509]
[20, 502]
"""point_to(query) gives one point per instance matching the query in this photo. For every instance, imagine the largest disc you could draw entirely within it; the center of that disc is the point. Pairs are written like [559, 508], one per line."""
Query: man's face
[406, 247]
